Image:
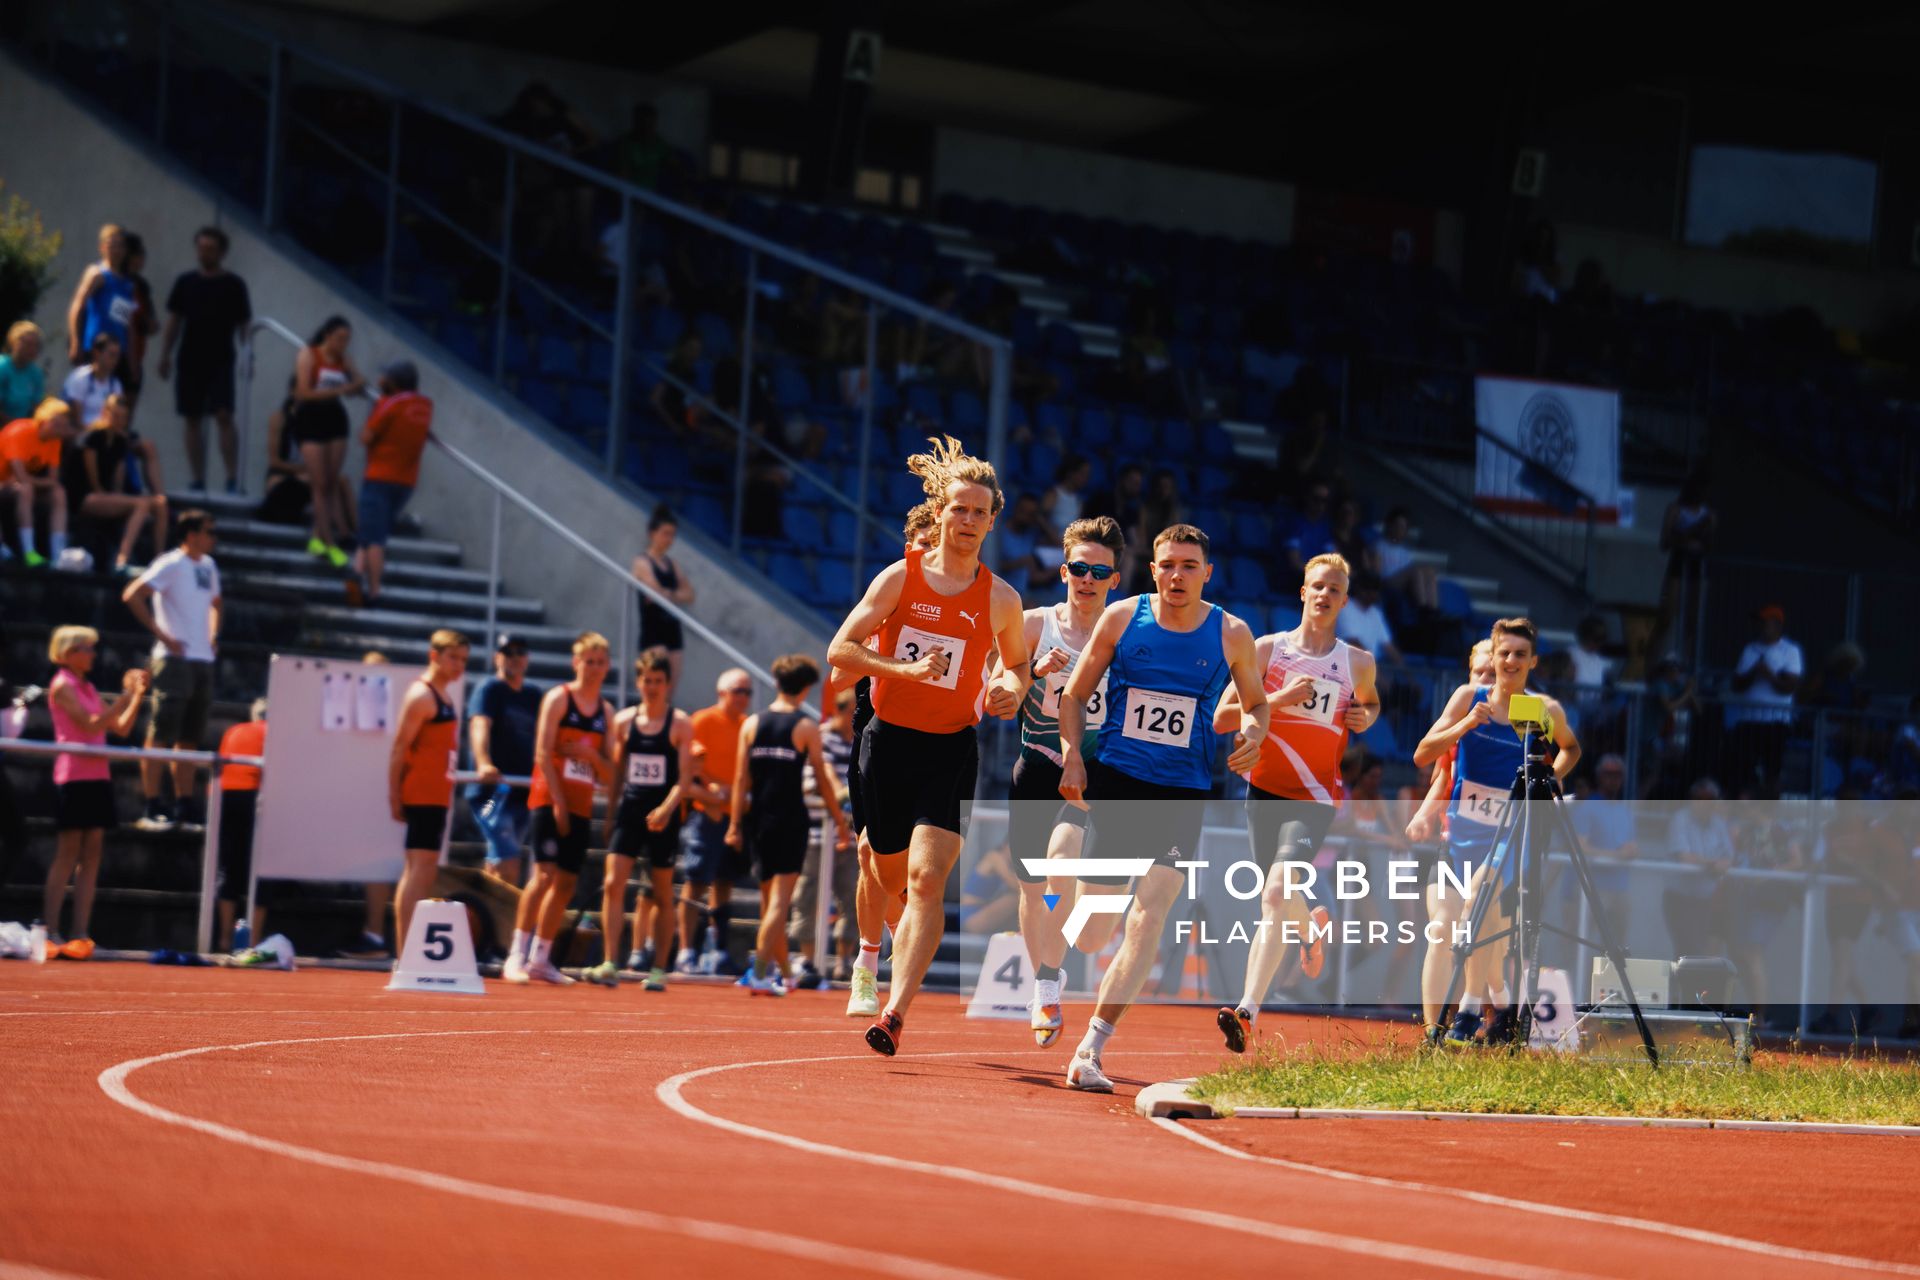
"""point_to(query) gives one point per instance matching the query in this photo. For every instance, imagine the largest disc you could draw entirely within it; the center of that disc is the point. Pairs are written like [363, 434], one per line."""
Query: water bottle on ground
[242, 936]
[37, 943]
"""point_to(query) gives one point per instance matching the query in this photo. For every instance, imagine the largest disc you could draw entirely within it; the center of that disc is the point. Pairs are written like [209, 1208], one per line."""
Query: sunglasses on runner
[1100, 572]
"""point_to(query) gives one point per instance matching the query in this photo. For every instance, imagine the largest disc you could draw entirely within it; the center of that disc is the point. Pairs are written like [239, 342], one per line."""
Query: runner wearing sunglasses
[1037, 824]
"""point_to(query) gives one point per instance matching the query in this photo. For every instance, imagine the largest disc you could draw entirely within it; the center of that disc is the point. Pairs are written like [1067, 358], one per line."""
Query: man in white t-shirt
[1364, 623]
[1590, 666]
[1765, 680]
[178, 599]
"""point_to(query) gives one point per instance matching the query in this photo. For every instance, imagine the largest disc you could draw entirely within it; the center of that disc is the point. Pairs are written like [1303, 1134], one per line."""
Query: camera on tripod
[1533, 725]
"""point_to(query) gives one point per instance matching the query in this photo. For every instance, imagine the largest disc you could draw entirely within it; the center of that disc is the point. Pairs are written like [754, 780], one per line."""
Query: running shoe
[515, 970]
[686, 963]
[770, 985]
[547, 971]
[154, 819]
[315, 547]
[606, 973]
[254, 958]
[863, 1001]
[77, 948]
[1465, 1026]
[1084, 1074]
[1313, 950]
[1046, 1021]
[656, 980]
[338, 558]
[34, 560]
[884, 1036]
[1237, 1026]
[1503, 1028]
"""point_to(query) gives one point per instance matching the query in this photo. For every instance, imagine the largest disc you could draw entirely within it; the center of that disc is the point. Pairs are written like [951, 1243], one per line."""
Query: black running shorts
[1033, 810]
[780, 850]
[1133, 818]
[633, 839]
[1267, 813]
[426, 825]
[913, 779]
[567, 852]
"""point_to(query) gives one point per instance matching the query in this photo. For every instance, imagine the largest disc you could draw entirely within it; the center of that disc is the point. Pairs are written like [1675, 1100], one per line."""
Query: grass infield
[1856, 1090]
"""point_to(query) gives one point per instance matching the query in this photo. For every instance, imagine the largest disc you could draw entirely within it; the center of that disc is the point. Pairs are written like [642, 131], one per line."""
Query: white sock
[1470, 1004]
[1098, 1029]
[1502, 997]
[521, 939]
[542, 951]
[26, 540]
[58, 540]
[869, 957]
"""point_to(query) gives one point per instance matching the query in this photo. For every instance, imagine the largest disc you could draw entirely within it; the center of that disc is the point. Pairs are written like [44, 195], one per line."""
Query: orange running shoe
[1236, 1025]
[77, 948]
[884, 1035]
[1313, 949]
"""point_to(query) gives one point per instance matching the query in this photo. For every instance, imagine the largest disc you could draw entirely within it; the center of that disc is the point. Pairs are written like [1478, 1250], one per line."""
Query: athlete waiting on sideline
[572, 758]
[937, 613]
[1166, 657]
[1056, 634]
[653, 759]
[1319, 689]
[420, 770]
[875, 911]
[1476, 722]
[770, 818]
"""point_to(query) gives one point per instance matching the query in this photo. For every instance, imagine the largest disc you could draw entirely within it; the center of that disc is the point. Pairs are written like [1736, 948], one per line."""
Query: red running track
[170, 1122]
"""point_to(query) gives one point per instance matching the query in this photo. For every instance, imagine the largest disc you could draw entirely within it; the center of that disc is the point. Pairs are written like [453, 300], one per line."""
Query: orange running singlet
[963, 626]
[577, 777]
[430, 760]
[1300, 758]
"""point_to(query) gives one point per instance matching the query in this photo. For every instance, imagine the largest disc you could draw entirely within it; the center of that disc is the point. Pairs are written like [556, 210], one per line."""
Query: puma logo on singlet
[971, 619]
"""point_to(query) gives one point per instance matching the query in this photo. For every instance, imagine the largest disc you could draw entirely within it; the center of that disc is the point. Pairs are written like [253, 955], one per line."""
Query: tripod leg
[1476, 915]
[1604, 928]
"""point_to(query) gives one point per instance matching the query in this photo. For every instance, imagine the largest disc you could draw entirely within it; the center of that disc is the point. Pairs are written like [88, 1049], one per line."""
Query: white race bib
[1057, 683]
[915, 644]
[1318, 708]
[1163, 719]
[121, 310]
[646, 771]
[576, 769]
[1482, 804]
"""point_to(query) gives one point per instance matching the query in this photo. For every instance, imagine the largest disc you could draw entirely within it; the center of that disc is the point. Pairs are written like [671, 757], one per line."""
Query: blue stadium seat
[716, 335]
[1093, 431]
[1054, 419]
[1285, 616]
[1177, 436]
[843, 531]
[1251, 531]
[801, 524]
[588, 405]
[1454, 600]
[1042, 459]
[790, 387]
[466, 341]
[1246, 578]
[558, 357]
[792, 572]
[544, 398]
[924, 401]
[833, 581]
[1138, 434]
[966, 412]
[706, 513]
[904, 492]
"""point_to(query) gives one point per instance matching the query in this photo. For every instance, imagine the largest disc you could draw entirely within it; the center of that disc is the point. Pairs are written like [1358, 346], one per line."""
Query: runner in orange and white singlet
[1319, 689]
[937, 614]
[875, 911]
[420, 769]
[572, 759]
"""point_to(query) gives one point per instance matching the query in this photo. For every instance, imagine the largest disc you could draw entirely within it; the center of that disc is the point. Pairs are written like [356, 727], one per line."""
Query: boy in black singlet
[770, 817]
[652, 763]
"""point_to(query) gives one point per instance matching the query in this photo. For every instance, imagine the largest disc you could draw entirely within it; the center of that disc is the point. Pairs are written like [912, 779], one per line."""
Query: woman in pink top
[83, 784]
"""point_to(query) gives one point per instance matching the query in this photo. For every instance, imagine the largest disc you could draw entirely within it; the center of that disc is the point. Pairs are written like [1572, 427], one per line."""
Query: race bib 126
[1163, 719]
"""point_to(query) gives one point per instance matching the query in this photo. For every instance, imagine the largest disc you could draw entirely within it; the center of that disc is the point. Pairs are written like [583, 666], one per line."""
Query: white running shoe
[1046, 1011]
[1084, 1074]
[514, 970]
[547, 971]
[864, 1000]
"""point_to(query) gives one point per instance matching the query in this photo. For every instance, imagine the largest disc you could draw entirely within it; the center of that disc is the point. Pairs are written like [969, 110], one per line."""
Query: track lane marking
[1696, 1235]
[113, 1082]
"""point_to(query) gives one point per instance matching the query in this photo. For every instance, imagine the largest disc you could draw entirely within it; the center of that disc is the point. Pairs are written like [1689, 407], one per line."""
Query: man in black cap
[395, 436]
[502, 715]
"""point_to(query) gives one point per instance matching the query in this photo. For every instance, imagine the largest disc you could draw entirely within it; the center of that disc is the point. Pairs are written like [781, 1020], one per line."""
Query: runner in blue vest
[1477, 727]
[1166, 659]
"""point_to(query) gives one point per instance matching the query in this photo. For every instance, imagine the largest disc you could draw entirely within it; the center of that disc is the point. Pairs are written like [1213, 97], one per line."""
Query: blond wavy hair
[948, 463]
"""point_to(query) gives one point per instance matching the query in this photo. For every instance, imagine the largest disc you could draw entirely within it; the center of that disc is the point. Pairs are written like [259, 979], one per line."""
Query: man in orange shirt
[239, 805]
[30, 466]
[395, 436]
[707, 861]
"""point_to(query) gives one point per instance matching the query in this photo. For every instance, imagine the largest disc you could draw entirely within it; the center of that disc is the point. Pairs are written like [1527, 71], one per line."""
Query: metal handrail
[1559, 482]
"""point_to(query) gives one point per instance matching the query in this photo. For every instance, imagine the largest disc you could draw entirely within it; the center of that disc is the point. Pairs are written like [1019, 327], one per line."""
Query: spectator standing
[103, 301]
[178, 599]
[96, 472]
[323, 377]
[1399, 571]
[239, 809]
[1363, 622]
[836, 746]
[1592, 669]
[87, 387]
[142, 325]
[1604, 823]
[1686, 535]
[707, 863]
[1312, 531]
[1696, 905]
[23, 383]
[668, 399]
[1350, 537]
[208, 310]
[1123, 504]
[395, 435]
[1766, 677]
[640, 155]
[1161, 509]
[1064, 503]
[30, 463]
[1021, 537]
[1675, 702]
[84, 785]
[502, 715]
[659, 628]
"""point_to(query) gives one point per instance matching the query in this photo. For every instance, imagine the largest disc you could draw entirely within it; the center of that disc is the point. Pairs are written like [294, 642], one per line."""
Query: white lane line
[671, 1092]
[24, 1271]
[1693, 1234]
[113, 1082]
